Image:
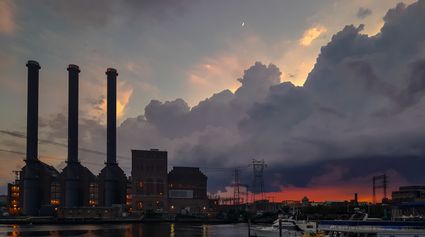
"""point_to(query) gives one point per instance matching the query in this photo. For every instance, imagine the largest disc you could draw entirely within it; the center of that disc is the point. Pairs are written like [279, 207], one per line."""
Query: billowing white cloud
[312, 34]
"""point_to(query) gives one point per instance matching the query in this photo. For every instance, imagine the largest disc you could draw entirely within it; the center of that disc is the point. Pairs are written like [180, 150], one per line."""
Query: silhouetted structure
[14, 198]
[74, 182]
[112, 179]
[409, 194]
[149, 179]
[258, 182]
[379, 182]
[37, 175]
[40, 187]
[187, 190]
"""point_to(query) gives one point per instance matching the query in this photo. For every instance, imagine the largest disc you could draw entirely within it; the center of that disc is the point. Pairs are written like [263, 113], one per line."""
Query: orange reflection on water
[172, 230]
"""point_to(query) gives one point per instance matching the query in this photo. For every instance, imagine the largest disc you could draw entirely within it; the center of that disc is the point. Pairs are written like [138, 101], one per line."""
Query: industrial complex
[40, 189]
[76, 193]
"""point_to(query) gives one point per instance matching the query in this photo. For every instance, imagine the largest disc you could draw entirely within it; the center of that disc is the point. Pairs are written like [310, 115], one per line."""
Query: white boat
[360, 225]
[289, 227]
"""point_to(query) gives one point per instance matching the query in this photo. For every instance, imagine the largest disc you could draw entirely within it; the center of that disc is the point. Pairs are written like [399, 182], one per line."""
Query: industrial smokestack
[31, 200]
[73, 71]
[32, 111]
[111, 120]
[72, 170]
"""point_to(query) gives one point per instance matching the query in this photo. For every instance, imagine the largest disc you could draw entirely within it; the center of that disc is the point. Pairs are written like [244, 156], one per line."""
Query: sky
[329, 93]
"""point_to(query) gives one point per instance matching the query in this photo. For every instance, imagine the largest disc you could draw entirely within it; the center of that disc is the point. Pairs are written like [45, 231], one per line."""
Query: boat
[289, 227]
[360, 225]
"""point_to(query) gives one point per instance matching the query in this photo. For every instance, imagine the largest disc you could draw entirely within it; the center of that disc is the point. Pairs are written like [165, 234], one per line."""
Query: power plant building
[149, 178]
[182, 190]
[37, 176]
[75, 180]
[187, 190]
[41, 190]
[112, 179]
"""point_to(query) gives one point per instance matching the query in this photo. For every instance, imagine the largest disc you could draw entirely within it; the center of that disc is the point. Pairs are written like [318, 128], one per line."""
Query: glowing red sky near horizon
[320, 193]
[325, 193]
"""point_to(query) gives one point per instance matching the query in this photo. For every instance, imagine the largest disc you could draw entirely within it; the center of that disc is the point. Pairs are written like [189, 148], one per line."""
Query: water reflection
[126, 230]
[172, 230]
[204, 231]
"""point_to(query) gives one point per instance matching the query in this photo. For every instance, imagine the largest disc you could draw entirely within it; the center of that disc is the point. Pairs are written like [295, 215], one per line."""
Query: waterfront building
[187, 190]
[41, 189]
[149, 180]
[129, 195]
[409, 194]
[14, 199]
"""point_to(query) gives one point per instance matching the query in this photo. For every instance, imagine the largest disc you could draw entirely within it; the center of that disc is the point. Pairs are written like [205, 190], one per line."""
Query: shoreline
[55, 221]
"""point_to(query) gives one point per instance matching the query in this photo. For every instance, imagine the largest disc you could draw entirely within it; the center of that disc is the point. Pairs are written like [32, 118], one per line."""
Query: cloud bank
[361, 110]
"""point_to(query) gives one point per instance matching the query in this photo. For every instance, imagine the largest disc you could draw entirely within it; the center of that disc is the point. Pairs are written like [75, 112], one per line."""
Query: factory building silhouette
[76, 192]
[43, 187]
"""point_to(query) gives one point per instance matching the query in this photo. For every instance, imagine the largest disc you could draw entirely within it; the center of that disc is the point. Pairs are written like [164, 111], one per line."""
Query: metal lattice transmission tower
[236, 189]
[239, 190]
[258, 182]
[379, 182]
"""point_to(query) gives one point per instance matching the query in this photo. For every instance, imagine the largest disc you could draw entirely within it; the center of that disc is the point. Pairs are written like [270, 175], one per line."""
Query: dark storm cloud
[361, 109]
[363, 12]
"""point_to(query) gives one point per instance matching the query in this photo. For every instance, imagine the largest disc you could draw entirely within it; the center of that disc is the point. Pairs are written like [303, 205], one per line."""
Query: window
[55, 193]
[93, 193]
[159, 187]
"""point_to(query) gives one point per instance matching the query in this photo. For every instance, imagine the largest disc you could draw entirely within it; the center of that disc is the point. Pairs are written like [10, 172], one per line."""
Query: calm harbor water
[127, 230]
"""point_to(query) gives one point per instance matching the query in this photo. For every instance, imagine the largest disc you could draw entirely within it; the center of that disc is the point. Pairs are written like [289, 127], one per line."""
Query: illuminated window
[55, 193]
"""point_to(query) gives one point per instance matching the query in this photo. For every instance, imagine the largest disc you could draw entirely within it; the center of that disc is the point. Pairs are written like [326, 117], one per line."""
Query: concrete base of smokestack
[37, 182]
[75, 185]
[112, 185]
[31, 200]
[72, 192]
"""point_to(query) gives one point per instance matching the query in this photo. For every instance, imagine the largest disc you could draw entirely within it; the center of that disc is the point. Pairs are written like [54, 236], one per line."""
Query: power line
[22, 135]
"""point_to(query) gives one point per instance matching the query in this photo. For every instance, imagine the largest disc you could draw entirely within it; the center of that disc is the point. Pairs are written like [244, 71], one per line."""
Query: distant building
[187, 190]
[149, 180]
[409, 194]
[305, 201]
[291, 203]
[129, 195]
[14, 196]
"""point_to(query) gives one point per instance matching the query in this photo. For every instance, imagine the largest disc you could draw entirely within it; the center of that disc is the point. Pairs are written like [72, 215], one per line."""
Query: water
[127, 230]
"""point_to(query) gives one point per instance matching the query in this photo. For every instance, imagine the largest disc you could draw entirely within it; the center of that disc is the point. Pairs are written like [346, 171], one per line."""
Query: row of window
[148, 168]
[55, 193]
[151, 187]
